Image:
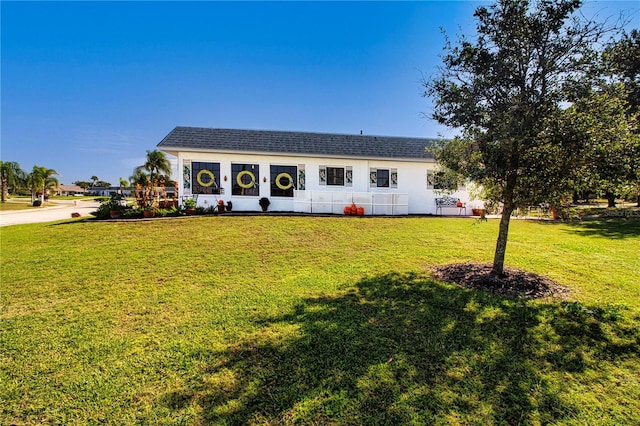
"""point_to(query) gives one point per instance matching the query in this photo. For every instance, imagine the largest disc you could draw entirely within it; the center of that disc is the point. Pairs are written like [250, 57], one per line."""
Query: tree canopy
[505, 89]
[156, 166]
[42, 179]
[11, 176]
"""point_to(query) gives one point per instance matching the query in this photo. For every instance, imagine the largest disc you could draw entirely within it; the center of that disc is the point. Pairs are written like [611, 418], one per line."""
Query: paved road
[48, 214]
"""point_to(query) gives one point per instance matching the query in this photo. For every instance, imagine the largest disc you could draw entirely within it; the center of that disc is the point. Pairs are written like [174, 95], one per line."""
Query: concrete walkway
[48, 214]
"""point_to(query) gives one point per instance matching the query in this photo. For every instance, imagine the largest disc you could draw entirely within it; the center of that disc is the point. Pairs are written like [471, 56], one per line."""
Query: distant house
[66, 190]
[306, 172]
[108, 191]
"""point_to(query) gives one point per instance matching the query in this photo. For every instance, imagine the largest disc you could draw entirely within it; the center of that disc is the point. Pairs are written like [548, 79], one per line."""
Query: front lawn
[22, 203]
[314, 320]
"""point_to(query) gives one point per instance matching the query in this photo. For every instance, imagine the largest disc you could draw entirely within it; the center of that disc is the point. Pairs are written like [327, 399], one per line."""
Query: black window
[383, 178]
[245, 179]
[283, 180]
[335, 176]
[205, 178]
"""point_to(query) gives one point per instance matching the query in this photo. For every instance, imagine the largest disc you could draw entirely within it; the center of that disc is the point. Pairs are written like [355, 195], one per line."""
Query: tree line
[39, 181]
[42, 181]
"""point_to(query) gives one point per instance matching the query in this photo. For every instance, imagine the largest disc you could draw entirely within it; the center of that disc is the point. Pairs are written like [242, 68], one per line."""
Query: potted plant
[220, 206]
[189, 206]
[116, 205]
[148, 211]
[264, 203]
[115, 212]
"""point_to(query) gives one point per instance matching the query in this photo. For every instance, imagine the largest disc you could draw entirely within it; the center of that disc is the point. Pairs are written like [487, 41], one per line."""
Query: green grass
[309, 320]
[21, 204]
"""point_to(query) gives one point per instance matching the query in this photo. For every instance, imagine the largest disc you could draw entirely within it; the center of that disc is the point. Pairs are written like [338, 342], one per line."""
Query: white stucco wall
[412, 182]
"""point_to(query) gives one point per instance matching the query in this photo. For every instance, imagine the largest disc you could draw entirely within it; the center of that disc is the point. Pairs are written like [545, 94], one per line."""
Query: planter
[477, 212]
[115, 214]
[190, 212]
[148, 213]
[264, 203]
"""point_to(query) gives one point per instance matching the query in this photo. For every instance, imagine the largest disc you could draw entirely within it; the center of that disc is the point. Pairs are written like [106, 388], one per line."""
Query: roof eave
[173, 150]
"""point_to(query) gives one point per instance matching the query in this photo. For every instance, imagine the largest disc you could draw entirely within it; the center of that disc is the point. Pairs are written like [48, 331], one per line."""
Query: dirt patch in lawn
[514, 283]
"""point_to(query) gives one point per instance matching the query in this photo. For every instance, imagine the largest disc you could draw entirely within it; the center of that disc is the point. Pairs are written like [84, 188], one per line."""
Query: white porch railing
[374, 203]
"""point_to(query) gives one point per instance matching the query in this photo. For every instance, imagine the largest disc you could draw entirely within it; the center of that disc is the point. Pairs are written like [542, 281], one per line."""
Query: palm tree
[123, 184]
[156, 169]
[94, 179]
[139, 177]
[11, 175]
[41, 179]
[157, 165]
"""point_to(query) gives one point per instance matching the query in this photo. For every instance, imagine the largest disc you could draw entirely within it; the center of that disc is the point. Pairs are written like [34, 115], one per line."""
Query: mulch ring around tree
[514, 284]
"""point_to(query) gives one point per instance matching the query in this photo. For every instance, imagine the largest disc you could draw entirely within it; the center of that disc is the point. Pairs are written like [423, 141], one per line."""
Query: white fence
[374, 203]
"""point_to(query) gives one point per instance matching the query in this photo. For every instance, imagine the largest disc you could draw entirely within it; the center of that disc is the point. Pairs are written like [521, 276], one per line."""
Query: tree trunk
[638, 205]
[3, 186]
[611, 199]
[501, 244]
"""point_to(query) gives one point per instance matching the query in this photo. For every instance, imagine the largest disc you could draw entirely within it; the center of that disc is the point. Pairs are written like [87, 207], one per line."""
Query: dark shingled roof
[295, 143]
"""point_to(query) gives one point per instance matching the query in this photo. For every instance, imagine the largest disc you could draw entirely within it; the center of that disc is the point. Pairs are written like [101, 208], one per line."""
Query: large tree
[611, 151]
[504, 89]
[82, 184]
[621, 61]
[11, 176]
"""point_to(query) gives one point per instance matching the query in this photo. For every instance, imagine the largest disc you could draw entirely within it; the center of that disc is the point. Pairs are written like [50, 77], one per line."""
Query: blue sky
[88, 87]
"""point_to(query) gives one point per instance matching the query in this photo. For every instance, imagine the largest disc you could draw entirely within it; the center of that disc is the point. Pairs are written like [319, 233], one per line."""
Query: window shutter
[393, 178]
[373, 177]
[301, 177]
[186, 177]
[348, 179]
[430, 179]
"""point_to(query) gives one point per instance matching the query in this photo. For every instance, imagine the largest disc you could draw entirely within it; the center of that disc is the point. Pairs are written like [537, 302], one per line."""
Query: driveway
[49, 214]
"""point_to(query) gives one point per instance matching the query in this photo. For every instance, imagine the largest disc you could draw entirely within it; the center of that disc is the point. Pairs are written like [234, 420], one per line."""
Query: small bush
[134, 213]
[37, 203]
[103, 211]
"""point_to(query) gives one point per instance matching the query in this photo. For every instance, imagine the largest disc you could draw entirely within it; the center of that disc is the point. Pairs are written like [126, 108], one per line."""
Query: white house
[307, 172]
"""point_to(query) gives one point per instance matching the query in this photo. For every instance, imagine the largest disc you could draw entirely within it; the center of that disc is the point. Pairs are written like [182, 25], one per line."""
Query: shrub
[189, 203]
[37, 203]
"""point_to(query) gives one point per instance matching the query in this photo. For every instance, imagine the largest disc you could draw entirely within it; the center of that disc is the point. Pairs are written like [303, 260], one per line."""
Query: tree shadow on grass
[404, 348]
[618, 228]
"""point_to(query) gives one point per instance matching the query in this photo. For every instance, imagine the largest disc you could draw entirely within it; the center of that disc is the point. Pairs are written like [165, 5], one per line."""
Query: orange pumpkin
[360, 211]
[347, 210]
[354, 209]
